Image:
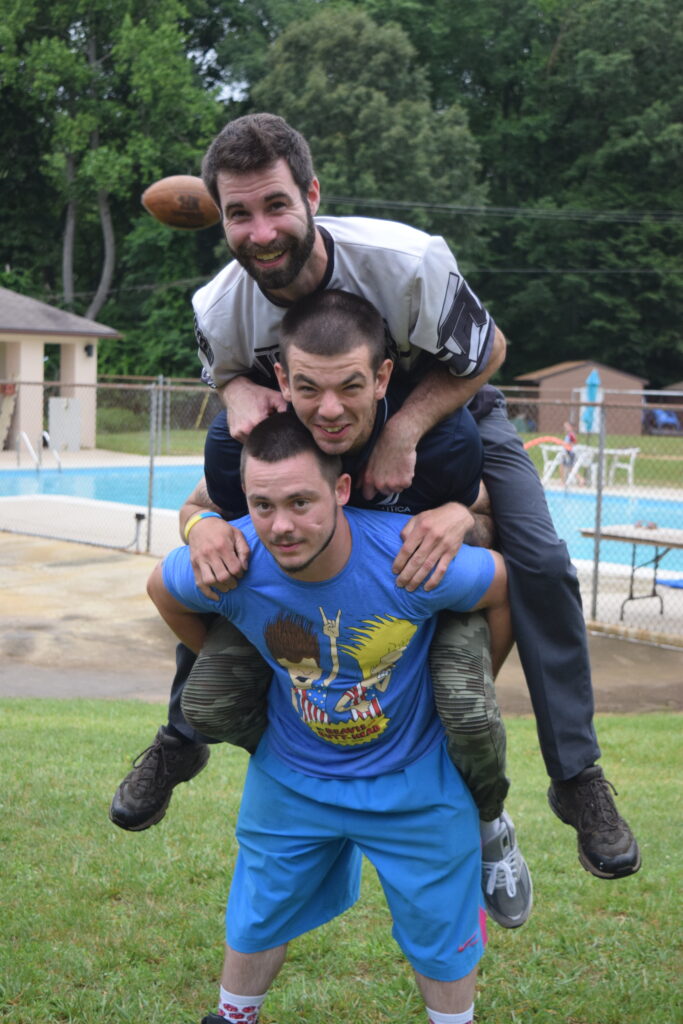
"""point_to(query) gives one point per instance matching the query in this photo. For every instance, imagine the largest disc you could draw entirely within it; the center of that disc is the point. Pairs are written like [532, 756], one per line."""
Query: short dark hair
[282, 436]
[328, 322]
[253, 142]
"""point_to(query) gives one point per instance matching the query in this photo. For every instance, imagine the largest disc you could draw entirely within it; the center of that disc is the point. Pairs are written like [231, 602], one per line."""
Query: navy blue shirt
[448, 467]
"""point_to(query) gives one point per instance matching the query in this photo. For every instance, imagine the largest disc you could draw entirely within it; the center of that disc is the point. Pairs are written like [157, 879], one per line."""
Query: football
[181, 201]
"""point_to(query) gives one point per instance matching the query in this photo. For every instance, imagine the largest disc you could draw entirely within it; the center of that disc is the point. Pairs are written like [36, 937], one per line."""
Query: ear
[382, 378]
[283, 381]
[342, 489]
[313, 195]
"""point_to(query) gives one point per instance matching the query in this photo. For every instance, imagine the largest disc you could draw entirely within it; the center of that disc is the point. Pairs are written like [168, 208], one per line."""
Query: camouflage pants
[225, 698]
[465, 698]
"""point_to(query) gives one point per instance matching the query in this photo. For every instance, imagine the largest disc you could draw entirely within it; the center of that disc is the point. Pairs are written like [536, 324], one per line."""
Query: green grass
[103, 925]
[659, 463]
[136, 442]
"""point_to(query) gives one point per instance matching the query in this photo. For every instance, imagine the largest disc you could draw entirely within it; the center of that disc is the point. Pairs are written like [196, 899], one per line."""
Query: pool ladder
[37, 458]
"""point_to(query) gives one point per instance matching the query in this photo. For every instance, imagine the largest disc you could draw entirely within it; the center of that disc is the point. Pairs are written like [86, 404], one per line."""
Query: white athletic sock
[451, 1018]
[245, 1009]
[489, 829]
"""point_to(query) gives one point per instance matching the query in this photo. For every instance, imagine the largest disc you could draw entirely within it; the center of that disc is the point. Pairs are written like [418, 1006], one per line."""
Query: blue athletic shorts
[300, 845]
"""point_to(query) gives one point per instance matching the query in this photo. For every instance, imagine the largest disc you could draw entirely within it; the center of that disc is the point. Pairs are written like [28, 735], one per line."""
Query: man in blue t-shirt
[353, 760]
[335, 370]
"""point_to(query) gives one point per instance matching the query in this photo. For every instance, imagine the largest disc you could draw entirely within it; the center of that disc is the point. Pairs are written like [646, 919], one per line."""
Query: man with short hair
[327, 784]
[334, 369]
[260, 172]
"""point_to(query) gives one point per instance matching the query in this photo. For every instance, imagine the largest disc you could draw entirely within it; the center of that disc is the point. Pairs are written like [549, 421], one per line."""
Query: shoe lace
[599, 808]
[501, 873]
[152, 763]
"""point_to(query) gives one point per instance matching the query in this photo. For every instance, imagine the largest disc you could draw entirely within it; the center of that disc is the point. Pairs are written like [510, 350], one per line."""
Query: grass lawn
[136, 442]
[659, 464]
[103, 925]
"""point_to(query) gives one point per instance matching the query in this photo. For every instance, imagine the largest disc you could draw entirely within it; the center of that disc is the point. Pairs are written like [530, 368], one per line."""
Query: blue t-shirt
[351, 694]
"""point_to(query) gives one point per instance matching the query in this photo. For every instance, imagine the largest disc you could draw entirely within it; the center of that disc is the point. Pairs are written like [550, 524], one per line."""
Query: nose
[330, 407]
[262, 230]
[282, 523]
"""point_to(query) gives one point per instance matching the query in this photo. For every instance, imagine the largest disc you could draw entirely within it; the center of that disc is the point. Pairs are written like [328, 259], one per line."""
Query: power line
[530, 212]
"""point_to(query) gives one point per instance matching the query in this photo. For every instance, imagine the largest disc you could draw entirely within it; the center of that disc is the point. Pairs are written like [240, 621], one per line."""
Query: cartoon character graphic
[293, 642]
[378, 646]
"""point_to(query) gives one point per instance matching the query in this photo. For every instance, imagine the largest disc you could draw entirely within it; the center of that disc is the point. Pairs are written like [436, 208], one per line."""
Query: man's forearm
[482, 534]
[439, 393]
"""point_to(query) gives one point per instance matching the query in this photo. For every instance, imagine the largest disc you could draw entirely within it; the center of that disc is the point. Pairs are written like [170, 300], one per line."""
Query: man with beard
[259, 172]
[322, 790]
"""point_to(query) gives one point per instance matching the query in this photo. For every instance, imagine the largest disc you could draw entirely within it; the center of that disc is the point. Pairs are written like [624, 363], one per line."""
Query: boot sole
[154, 820]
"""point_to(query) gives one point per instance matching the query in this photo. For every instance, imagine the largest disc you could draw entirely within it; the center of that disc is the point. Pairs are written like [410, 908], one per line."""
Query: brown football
[181, 201]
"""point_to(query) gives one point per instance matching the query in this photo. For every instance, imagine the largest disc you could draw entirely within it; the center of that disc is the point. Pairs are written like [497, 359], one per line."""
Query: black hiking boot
[607, 847]
[145, 793]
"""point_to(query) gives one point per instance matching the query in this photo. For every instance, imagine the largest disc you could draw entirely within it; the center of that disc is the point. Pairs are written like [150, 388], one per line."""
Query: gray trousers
[545, 600]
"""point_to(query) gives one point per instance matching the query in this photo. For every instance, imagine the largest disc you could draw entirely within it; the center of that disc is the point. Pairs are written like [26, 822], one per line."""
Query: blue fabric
[351, 694]
[670, 583]
[299, 860]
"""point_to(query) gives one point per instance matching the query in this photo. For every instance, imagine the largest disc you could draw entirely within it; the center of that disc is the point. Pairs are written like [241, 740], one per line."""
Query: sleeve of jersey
[178, 579]
[451, 323]
[467, 579]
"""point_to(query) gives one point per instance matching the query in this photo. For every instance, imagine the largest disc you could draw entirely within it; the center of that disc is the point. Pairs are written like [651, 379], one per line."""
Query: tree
[358, 94]
[116, 102]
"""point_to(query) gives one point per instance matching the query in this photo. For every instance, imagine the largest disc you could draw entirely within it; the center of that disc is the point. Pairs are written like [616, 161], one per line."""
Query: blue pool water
[172, 484]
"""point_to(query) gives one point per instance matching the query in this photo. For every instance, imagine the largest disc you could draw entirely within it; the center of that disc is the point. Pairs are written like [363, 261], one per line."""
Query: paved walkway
[75, 621]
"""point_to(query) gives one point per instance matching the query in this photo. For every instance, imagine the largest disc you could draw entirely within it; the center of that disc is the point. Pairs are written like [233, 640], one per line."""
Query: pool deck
[88, 521]
[118, 526]
[75, 621]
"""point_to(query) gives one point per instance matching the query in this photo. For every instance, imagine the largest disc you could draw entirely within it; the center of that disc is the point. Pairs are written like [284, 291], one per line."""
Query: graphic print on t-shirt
[354, 714]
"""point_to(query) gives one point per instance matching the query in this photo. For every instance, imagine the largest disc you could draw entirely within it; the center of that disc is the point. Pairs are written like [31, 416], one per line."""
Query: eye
[300, 503]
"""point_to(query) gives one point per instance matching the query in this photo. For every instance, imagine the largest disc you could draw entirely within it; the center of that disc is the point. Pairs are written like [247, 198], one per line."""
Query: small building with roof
[562, 390]
[26, 327]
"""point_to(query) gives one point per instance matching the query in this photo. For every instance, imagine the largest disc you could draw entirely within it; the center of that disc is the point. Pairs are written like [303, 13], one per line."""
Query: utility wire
[529, 212]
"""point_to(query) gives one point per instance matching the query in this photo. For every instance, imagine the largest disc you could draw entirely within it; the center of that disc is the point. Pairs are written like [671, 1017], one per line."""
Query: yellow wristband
[194, 519]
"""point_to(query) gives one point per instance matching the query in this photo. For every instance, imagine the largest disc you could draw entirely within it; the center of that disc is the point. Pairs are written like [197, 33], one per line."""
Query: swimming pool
[172, 484]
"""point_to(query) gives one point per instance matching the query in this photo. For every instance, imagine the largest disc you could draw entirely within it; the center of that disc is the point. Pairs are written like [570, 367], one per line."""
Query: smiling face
[270, 231]
[335, 397]
[298, 515]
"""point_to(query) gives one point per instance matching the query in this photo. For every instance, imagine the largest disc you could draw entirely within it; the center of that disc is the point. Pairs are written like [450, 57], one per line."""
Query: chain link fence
[110, 465]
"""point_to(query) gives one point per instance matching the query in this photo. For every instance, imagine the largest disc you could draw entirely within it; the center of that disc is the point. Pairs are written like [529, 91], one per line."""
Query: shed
[560, 393]
[26, 326]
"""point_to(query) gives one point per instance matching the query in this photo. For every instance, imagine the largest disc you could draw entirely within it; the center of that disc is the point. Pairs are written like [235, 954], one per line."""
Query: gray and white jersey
[410, 276]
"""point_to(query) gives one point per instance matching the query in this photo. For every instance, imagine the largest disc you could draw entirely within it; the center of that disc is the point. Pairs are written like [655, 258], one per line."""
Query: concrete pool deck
[75, 621]
[127, 528]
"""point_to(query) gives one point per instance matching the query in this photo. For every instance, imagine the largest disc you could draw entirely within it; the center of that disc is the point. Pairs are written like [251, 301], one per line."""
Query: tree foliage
[361, 98]
[116, 102]
[560, 127]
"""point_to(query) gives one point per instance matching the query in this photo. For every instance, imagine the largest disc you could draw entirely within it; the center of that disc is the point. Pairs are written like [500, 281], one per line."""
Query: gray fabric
[545, 601]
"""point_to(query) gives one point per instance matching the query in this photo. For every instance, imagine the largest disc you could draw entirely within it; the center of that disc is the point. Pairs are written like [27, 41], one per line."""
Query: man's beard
[299, 250]
[293, 570]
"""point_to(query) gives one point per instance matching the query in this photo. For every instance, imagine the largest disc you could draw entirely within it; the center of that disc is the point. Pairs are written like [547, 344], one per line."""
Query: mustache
[278, 245]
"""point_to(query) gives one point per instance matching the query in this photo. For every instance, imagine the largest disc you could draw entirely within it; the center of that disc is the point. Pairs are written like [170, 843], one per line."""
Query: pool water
[570, 511]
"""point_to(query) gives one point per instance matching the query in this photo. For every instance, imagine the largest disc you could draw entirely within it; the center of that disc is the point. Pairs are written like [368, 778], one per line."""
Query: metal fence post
[598, 509]
[153, 406]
